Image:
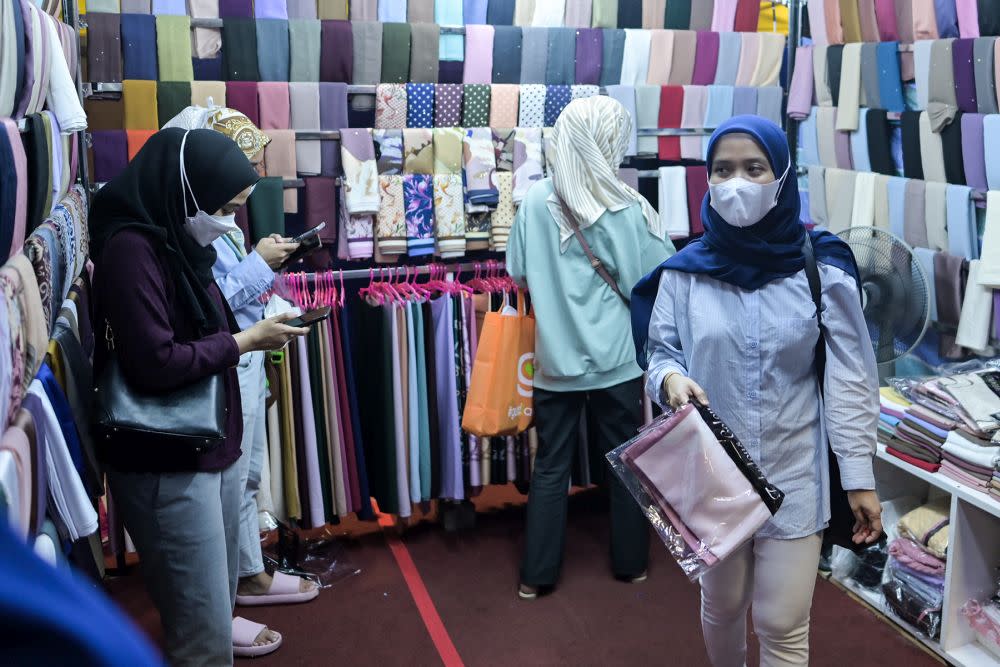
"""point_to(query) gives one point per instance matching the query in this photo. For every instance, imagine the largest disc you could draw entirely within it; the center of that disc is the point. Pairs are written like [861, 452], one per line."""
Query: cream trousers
[778, 578]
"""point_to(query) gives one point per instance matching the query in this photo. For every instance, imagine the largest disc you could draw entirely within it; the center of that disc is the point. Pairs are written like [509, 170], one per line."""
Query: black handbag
[840, 532]
[190, 420]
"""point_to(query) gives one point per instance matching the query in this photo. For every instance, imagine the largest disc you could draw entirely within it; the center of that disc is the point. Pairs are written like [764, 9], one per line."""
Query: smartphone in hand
[310, 318]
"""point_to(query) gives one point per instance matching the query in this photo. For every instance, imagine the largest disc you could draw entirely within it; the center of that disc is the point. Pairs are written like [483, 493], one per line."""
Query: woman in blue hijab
[730, 319]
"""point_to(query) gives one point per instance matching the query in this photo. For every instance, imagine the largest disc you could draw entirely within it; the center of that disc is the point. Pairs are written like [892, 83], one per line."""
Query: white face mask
[742, 203]
[202, 227]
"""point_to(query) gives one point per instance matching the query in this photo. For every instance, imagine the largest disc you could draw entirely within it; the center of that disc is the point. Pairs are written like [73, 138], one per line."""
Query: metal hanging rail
[415, 270]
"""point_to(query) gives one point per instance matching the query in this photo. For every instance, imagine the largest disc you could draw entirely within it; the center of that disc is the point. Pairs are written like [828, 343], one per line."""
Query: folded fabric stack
[911, 432]
[969, 460]
[914, 586]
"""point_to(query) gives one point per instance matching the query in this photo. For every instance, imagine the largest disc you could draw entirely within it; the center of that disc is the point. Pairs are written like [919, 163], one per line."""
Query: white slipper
[285, 589]
[245, 634]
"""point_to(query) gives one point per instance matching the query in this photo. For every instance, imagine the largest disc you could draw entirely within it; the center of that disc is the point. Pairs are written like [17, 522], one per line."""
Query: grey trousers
[253, 389]
[185, 527]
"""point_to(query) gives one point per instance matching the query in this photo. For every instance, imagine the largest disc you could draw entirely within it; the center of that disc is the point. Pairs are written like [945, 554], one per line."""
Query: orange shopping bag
[499, 398]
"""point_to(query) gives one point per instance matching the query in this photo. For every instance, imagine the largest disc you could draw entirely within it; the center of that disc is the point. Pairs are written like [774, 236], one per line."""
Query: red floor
[371, 619]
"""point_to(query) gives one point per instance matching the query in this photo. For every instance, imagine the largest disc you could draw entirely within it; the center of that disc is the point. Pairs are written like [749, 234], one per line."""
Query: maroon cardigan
[158, 348]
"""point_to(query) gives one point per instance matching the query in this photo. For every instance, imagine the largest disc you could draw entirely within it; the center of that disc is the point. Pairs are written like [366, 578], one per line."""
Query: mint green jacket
[583, 337]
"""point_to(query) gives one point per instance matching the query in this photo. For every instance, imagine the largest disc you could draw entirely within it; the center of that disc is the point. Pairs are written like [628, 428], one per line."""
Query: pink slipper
[245, 633]
[284, 590]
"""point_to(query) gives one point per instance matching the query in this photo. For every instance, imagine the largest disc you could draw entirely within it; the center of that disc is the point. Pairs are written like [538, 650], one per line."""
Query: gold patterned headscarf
[229, 122]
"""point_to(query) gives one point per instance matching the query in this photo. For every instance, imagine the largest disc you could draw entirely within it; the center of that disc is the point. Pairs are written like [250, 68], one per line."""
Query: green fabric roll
[476, 111]
[395, 52]
[605, 14]
[172, 97]
[266, 208]
[239, 50]
[678, 15]
[173, 48]
[303, 40]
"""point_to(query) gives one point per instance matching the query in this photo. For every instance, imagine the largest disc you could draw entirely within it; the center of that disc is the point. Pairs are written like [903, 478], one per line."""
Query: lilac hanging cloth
[706, 59]
[332, 116]
[589, 53]
[442, 313]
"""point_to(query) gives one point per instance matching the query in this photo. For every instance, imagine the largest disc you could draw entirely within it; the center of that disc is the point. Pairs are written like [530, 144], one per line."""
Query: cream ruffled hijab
[587, 146]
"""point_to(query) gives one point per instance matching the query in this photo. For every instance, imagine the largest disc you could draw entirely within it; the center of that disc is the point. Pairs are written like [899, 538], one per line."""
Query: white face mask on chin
[202, 227]
[743, 203]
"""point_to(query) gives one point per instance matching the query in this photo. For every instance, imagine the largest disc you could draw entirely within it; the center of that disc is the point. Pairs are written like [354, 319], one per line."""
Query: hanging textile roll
[974, 150]
[498, 13]
[504, 105]
[671, 108]
[859, 144]
[475, 11]
[989, 17]
[848, 99]
[826, 120]
[682, 63]
[924, 20]
[418, 151]
[236, 9]
[635, 62]
[239, 49]
[831, 19]
[897, 205]
[534, 54]
[275, 105]
[12, 62]
[449, 215]
[950, 275]
[863, 211]
[951, 142]
[842, 148]
[367, 57]
[870, 93]
[208, 69]
[337, 54]
[965, 76]
[418, 198]
[800, 93]
[879, 140]
[729, 58]
[476, 108]
[556, 99]
[931, 151]
[935, 215]
[243, 97]
[817, 23]
[333, 115]
[808, 141]
[305, 9]
[479, 58]
[817, 196]
[172, 97]
[991, 137]
[724, 16]
[963, 230]
[850, 21]
[272, 49]
[502, 219]
[173, 47]
[890, 86]
[706, 60]
[447, 151]
[524, 12]
[138, 31]
[749, 56]
[882, 201]
[424, 58]
[604, 14]
[922, 63]
[868, 21]
[926, 258]
[388, 151]
[528, 164]
[647, 106]
[914, 211]
[885, 17]
[974, 323]
[304, 50]
[769, 99]
[673, 201]
[747, 16]
[693, 117]
[390, 225]
[360, 172]
[507, 44]
[265, 209]
[626, 96]
[547, 14]
[968, 18]
[984, 56]
[989, 274]
[697, 188]
[719, 106]
[327, 10]
[701, 16]
[613, 54]
[392, 11]
[653, 12]
[140, 105]
[744, 101]
[531, 111]
[449, 13]
[947, 18]
[390, 106]
[678, 15]
[578, 13]
[13, 190]
[821, 81]
[629, 14]
[661, 54]
[840, 188]
[279, 161]
[589, 50]
[395, 52]
[448, 104]
[479, 167]
[560, 68]
[834, 63]
[104, 50]
[913, 164]
[418, 11]
[420, 105]
[169, 7]
[304, 99]
[62, 98]
[136, 139]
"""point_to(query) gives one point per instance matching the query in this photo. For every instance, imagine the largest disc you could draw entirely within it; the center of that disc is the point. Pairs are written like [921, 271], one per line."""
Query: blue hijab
[749, 257]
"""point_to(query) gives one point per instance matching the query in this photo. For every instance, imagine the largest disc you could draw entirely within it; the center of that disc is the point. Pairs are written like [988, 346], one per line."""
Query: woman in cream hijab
[583, 349]
[243, 279]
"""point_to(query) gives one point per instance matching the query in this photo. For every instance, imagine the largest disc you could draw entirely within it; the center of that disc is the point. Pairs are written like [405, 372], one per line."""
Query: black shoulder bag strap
[595, 262]
[841, 529]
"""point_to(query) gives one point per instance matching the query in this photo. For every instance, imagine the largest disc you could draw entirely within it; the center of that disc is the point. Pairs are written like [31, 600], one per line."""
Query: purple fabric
[270, 9]
[236, 9]
[965, 74]
[974, 151]
[589, 50]
[706, 59]
[336, 52]
[842, 146]
[744, 101]
[885, 14]
[30, 50]
[332, 116]
[452, 485]
[110, 153]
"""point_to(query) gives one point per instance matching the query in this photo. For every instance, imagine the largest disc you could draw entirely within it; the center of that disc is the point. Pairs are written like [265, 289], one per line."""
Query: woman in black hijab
[169, 326]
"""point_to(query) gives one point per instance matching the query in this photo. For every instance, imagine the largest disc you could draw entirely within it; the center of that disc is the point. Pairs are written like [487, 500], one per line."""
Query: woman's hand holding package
[681, 390]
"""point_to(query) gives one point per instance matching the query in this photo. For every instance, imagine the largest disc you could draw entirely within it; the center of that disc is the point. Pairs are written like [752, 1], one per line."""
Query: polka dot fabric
[556, 99]
[477, 106]
[420, 105]
[532, 106]
[448, 100]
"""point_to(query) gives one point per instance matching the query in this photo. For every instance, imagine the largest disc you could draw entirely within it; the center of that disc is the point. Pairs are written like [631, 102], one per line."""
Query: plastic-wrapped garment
[928, 527]
[871, 565]
[914, 600]
[981, 619]
[697, 485]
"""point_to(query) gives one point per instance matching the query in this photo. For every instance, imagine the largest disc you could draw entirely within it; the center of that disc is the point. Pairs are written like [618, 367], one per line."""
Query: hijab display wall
[897, 106]
[316, 78]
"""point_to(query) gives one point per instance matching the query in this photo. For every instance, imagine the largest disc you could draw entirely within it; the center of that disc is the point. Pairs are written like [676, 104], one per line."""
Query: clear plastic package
[322, 560]
[984, 619]
[915, 598]
[697, 486]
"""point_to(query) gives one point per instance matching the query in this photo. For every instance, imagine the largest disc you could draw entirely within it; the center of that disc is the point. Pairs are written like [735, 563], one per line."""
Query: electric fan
[895, 294]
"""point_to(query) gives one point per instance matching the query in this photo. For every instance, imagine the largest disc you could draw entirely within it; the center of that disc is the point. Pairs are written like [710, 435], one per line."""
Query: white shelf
[972, 655]
[973, 496]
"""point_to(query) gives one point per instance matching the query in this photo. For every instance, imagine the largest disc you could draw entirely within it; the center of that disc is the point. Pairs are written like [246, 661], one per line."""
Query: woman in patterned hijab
[229, 122]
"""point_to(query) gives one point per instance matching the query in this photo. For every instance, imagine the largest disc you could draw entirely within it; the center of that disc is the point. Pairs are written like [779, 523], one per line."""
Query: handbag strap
[595, 262]
[816, 290]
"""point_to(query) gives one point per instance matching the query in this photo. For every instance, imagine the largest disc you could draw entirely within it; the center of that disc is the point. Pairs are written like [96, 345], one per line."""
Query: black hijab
[147, 195]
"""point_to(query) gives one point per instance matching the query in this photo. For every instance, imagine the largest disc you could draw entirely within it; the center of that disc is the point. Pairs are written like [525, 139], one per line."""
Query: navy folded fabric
[139, 46]
[501, 12]
[208, 69]
[560, 69]
[556, 99]
[506, 54]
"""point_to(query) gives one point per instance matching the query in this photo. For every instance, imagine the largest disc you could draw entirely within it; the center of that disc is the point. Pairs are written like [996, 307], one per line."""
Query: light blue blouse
[752, 352]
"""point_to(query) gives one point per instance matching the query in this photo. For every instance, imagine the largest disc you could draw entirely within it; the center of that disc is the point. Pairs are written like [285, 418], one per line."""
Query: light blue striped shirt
[242, 278]
[752, 352]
